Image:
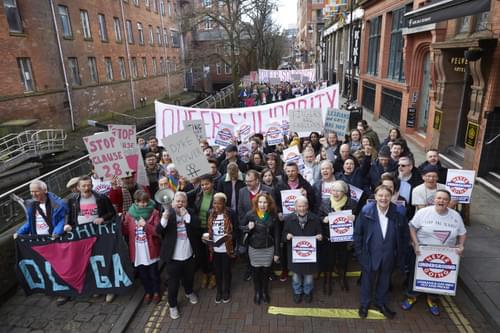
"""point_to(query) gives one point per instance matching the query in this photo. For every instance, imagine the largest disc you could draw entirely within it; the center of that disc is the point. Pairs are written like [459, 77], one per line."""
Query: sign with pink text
[106, 154]
[460, 184]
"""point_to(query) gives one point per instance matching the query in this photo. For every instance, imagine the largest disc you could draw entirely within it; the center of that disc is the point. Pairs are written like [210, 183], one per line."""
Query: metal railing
[223, 98]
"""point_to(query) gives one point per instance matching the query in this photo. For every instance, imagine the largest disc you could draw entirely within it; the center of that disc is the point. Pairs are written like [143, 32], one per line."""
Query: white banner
[460, 184]
[304, 249]
[186, 153]
[341, 226]
[288, 198]
[106, 154]
[285, 75]
[170, 118]
[436, 270]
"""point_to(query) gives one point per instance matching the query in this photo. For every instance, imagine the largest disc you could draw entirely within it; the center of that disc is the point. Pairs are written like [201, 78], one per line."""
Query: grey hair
[330, 164]
[180, 194]
[301, 198]
[341, 186]
[40, 184]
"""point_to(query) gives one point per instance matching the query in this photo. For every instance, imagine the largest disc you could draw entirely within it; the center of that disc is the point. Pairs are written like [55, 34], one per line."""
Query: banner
[341, 226]
[337, 121]
[288, 198]
[304, 249]
[91, 259]
[460, 184]
[436, 270]
[106, 154]
[286, 75]
[170, 118]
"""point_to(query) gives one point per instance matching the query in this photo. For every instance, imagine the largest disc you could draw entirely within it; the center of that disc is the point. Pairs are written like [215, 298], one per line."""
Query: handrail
[129, 116]
[489, 142]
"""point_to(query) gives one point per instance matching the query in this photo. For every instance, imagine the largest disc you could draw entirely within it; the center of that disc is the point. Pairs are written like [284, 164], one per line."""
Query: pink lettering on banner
[288, 107]
[331, 98]
[302, 104]
[215, 123]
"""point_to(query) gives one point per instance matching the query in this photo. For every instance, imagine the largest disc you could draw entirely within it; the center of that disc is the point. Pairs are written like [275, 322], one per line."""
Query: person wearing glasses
[409, 178]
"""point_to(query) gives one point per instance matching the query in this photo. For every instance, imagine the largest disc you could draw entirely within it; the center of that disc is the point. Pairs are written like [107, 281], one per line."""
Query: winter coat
[56, 213]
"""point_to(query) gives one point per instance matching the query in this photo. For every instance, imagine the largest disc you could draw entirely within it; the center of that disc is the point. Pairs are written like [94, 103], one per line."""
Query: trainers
[226, 299]
[110, 298]
[174, 313]
[156, 298]
[284, 276]
[147, 299]
[433, 307]
[247, 276]
[297, 298]
[193, 299]
[308, 298]
[218, 298]
[408, 303]
[61, 300]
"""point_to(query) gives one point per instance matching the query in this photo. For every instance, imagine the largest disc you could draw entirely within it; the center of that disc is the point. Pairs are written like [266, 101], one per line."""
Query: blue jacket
[58, 212]
[364, 229]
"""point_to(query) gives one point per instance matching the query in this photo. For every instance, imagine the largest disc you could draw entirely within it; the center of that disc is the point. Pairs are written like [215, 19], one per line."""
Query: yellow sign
[471, 134]
[438, 117]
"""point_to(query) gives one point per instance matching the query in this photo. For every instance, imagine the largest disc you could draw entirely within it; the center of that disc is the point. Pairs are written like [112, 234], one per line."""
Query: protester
[153, 171]
[232, 156]
[154, 148]
[355, 140]
[381, 165]
[311, 171]
[323, 187]
[423, 194]
[393, 135]
[123, 190]
[269, 179]
[432, 158]
[230, 185]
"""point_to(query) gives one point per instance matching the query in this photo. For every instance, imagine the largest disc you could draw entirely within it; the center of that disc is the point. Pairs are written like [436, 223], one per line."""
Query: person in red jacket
[139, 225]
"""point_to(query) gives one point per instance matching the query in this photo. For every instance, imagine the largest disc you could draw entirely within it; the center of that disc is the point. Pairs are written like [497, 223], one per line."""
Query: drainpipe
[128, 55]
[61, 58]
[165, 49]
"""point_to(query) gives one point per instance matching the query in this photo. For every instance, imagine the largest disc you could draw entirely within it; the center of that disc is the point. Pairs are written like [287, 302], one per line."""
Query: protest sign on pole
[337, 121]
[304, 249]
[341, 226]
[186, 153]
[356, 193]
[274, 134]
[305, 121]
[106, 154]
[288, 198]
[460, 184]
[292, 154]
[436, 270]
[224, 135]
[197, 126]
[125, 133]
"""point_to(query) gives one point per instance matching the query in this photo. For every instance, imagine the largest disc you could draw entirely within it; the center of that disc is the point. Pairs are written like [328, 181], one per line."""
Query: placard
[125, 133]
[244, 151]
[292, 154]
[460, 183]
[356, 193]
[197, 126]
[274, 134]
[304, 121]
[337, 121]
[288, 198]
[341, 226]
[186, 153]
[436, 270]
[224, 136]
[106, 154]
[245, 132]
[304, 249]
[471, 134]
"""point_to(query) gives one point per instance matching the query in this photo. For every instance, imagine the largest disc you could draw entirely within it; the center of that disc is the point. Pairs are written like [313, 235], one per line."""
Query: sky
[287, 13]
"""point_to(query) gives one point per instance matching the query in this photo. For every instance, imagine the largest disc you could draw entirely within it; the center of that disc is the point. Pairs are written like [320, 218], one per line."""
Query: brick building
[309, 27]
[111, 53]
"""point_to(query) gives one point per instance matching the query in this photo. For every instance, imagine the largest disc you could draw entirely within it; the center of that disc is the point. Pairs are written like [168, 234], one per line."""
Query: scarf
[263, 216]
[338, 204]
[228, 229]
[145, 212]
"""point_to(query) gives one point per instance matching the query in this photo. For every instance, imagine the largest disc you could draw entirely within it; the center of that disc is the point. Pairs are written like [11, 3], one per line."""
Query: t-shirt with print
[142, 256]
[326, 190]
[422, 196]
[218, 232]
[183, 249]
[436, 229]
[88, 210]
[42, 228]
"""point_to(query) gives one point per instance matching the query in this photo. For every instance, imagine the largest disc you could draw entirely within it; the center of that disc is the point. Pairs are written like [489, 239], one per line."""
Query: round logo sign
[437, 265]
[289, 203]
[273, 132]
[225, 134]
[459, 185]
[304, 248]
[341, 225]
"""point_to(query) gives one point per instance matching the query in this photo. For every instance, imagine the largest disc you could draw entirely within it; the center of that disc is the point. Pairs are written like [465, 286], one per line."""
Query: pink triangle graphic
[69, 260]
[442, 235]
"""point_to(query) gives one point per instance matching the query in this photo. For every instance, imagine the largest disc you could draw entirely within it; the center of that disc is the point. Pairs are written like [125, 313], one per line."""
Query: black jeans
[179, 271]
[204, 259]
[150, 277]
[222, 269]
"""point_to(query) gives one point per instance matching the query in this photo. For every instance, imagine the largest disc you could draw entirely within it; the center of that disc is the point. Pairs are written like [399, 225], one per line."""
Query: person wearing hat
[423, 195]
[123, 189]
[232, 156]
[384, 163]
[72, 185]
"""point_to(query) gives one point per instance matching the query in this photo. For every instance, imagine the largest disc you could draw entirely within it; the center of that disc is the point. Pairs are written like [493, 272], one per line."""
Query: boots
[265, 285]
[344, 285]
[257, 284]
[327, 283]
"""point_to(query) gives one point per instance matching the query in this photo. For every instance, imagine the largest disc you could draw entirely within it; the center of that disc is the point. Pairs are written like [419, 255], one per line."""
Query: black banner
[91, 259]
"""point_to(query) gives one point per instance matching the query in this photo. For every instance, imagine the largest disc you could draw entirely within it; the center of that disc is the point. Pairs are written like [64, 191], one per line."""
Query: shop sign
[471, 134]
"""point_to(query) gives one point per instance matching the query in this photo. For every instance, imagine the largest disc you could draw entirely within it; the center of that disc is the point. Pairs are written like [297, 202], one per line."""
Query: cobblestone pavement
[242, 315]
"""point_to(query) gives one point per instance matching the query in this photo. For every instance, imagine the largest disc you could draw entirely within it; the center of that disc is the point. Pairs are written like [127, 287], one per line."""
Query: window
[13, 16]
[395, 69]
[130, 34]
[482, 21]
[208, 23]
[136, 2]
[118, 29]
[169, 4]
[141, 33]
[155, 6]
[227, 69]
[154, 72]
[373, 45]
[103, 32]
[108, 65]
[134, 67]
[144, 67]
[93, 70]
[158, 35]
[121, 65]
[74, 71]
[175, 38]
[26, 74]
[151, 35]
[162, 7]
[207, 3]
[146, 2]
[84, 18]
[165, 37]
[65, 22]
[162, 66]
[218, 68]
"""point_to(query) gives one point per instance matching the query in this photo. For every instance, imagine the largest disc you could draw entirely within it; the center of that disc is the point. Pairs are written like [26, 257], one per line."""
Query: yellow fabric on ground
[322, 312]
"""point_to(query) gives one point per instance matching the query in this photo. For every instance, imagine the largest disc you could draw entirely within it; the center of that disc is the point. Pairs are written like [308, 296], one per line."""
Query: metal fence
[223, 98]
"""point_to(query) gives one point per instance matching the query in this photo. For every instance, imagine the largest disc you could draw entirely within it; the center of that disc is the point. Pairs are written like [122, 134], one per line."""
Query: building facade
[64, 61]
[310, 24]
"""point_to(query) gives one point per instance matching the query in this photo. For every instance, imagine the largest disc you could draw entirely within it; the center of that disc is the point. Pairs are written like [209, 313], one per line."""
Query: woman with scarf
[261, 224]
[335, 254]
[220, 222]
[139, 225]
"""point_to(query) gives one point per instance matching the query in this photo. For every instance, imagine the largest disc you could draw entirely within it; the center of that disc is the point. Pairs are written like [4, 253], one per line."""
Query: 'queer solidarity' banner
[91, 259]
[287, 75]
[170, 118]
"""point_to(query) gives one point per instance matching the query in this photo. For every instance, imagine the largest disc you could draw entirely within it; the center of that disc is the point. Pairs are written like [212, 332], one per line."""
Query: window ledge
[88, 39]
[18, 34]
[68, 37]
[105, 41]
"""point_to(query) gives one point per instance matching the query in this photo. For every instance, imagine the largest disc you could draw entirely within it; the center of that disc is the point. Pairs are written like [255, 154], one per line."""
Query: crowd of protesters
[235, 212]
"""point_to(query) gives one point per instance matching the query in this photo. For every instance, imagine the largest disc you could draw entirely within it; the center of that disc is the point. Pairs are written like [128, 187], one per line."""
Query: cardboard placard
[337, 121]
[460, 183]
[125, 133]
[305, 121]
[197, 126]
[106, 154]
[341, 226]
[304, 249]
[288, 198]
[224, 135]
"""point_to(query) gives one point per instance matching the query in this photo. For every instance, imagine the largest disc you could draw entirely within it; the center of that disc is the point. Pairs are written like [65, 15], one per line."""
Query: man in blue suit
[380, 240]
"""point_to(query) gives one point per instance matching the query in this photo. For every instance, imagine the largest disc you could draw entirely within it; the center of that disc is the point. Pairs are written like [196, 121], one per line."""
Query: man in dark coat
[432, 158]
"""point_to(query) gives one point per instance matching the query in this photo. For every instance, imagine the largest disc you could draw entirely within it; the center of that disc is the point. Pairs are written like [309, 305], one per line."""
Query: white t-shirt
[42, 228]
[142, 256]
[435, 229]
[218, 232]
[183, 250]
[326, 190]
[88, 210]
[422, 196]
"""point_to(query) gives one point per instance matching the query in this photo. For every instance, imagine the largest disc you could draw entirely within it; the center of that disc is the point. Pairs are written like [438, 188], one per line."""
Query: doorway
[464, 110]
[423, 103]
